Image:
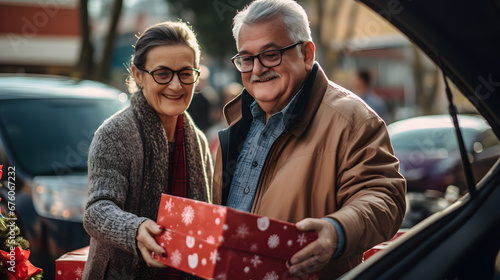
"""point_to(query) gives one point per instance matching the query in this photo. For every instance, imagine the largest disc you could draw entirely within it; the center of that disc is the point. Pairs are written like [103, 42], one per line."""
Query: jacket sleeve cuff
[340, 237]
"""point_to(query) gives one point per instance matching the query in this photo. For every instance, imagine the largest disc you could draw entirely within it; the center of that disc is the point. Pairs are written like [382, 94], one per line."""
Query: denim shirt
[258, 143]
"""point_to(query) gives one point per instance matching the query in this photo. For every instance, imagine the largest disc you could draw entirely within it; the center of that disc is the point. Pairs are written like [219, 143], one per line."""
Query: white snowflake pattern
[273, 241]
[222, 211]
[214, 256]
[255, 260]
[242, 231]
[176, 258]
[168, 205]
[254, 247]
[302, 239]
[221, 276]
[166, 236]
[79, 272]
[187, 215]
[271, 276]
[210, 239]
[161, 219]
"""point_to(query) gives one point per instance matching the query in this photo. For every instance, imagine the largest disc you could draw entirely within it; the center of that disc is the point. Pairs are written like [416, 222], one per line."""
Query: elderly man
[303, 149]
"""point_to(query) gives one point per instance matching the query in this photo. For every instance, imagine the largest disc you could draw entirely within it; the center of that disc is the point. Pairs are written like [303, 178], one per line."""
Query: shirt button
[247, 190]
[254, 164]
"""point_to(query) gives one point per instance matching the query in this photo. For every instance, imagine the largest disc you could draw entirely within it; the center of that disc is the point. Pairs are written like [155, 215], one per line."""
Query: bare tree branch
[102, 73]
[85, 62]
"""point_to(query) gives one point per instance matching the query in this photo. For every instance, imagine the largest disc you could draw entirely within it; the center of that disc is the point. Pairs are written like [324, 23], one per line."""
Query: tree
[212, 21]
[329, 39]
[86, 63]
[103, 69]
[426, 94]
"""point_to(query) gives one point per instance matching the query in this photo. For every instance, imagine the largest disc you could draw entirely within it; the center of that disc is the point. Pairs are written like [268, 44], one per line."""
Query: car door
[463, 241]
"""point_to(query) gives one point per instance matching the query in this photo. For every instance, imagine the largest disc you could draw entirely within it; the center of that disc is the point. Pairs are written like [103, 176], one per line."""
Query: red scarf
[177, 163]
[177, 183]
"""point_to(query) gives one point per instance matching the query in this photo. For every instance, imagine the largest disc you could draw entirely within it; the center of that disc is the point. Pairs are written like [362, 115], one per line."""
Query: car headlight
[60, 197]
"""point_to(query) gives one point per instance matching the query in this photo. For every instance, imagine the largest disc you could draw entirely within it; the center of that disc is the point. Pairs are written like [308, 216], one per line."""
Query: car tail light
[60, 197]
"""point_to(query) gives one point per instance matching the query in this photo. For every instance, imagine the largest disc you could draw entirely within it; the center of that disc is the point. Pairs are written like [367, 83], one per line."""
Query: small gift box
[383, 245]
[213, 241]
[70, 265]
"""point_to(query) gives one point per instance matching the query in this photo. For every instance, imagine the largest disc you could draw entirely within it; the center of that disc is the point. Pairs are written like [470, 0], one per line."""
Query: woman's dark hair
[166, 33]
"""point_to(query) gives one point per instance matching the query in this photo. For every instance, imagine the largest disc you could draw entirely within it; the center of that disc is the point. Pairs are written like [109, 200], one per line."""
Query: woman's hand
[147, 244]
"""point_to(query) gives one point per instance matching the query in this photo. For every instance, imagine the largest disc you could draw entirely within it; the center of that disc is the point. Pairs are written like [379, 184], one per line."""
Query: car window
[431, 138]
[52, 136]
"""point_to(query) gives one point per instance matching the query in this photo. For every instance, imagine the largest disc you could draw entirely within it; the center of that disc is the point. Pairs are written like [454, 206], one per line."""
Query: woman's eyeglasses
[165, 75]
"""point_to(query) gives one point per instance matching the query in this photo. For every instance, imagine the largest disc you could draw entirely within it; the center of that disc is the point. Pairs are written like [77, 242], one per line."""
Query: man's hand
[147, 244]
[319, 252]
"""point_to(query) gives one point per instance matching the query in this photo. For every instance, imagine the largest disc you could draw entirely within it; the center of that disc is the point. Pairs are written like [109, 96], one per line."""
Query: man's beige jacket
[335, 161]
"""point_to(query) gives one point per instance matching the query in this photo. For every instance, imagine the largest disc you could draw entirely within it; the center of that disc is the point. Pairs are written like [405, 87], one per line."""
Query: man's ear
[138, 75]
[308, 54]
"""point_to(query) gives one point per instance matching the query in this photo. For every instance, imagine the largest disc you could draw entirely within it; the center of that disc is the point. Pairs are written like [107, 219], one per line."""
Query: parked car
[46, 126]
[462, 241]
[428, 151]
[430, 160]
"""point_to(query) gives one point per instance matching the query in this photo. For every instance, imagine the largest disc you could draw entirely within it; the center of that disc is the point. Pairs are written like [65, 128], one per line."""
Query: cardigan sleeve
[109, 171]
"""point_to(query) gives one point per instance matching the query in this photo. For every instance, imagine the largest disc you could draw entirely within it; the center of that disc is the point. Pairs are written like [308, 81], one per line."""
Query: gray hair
[293, 15]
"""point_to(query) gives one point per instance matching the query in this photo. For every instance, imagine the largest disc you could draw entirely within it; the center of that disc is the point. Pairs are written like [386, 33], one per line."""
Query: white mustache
[265, 76]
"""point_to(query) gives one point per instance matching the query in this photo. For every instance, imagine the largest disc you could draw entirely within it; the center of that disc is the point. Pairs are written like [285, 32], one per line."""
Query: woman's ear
[138, 76]
[307, 49]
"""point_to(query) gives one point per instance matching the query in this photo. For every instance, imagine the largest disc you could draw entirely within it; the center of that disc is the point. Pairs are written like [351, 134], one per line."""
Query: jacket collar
[309, 100]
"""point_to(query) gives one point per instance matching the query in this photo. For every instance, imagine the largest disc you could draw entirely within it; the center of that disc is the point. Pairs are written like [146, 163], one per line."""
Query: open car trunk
[463, 241]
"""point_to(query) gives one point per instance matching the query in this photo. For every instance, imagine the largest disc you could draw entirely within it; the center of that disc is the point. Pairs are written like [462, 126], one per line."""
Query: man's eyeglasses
[165, 75]
[272, 58]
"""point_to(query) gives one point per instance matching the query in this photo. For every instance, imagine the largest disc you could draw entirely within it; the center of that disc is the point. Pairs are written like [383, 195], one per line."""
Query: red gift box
[383, 245]
[70, 265]
[212, 241]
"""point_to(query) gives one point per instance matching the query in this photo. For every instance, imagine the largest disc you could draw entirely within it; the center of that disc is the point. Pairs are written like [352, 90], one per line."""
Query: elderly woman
[149, 148]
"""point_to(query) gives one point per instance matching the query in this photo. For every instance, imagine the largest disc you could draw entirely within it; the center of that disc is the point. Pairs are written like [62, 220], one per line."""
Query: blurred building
[349, 36]
[43, 36]
[39, 36]
[136, 16]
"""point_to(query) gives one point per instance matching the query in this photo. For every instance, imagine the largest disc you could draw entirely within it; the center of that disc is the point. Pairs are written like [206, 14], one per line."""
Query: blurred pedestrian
[302, 149]
[229, 92]
[204, 100]
[149, 148]
[362, 86]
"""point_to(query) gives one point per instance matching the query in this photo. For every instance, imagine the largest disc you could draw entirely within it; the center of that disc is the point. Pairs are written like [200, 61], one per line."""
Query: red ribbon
[17, 265]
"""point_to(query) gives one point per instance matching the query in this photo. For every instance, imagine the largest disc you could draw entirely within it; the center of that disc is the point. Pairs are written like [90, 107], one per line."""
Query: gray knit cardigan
[115, 189]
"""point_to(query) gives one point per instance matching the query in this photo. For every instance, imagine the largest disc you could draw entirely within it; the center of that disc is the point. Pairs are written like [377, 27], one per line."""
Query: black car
[46, 126]
[462, 241]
